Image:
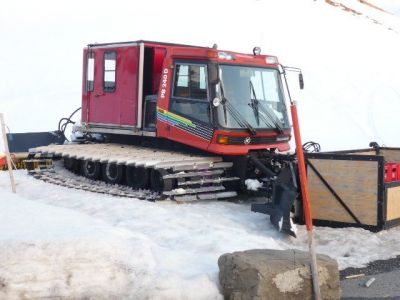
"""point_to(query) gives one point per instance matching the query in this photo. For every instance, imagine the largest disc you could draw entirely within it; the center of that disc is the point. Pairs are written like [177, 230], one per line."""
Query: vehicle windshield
[255, 93]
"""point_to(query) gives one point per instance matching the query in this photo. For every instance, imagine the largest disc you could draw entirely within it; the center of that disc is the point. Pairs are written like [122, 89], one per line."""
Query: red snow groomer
[188, 122]
[195, 123]
[221, 102]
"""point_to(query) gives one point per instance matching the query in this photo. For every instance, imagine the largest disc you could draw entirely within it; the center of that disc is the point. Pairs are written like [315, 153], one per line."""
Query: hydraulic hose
[261, 166]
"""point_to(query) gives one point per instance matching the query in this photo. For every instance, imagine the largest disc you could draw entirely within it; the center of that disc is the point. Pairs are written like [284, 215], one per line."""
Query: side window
[190, 81]
[190, 92]
[90, 71]
[198, 110]
[110, 67]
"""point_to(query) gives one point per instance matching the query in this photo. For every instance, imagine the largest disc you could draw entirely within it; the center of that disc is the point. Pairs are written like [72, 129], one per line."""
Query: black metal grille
[253, 140]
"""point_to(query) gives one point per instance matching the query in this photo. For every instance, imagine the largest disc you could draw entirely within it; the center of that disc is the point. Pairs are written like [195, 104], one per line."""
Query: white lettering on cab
[164, 83]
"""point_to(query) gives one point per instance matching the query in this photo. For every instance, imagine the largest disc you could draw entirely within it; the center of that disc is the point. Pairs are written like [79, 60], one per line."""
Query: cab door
[189, 106]
[111, 93]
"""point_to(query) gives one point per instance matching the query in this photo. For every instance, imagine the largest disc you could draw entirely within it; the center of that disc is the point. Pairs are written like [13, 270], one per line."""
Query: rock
[276, 274]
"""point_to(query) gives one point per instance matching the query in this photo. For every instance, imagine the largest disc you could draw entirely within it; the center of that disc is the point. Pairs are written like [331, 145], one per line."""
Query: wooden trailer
[349, 188]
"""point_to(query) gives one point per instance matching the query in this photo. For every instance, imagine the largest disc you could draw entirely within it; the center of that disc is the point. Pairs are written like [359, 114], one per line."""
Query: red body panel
[119, 107]
[159, 55]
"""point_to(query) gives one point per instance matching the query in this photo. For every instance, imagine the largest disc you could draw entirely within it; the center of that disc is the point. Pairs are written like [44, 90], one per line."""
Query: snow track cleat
[70, 180]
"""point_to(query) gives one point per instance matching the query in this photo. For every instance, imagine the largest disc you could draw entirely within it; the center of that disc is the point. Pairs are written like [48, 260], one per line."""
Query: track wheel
[137, 177]
[112, 173]
[91, 169]
[157, 182]
[71, 164]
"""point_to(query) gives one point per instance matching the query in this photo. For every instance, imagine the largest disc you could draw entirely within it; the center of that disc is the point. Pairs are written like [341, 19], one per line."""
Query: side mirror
[213, 72]
[301, 81]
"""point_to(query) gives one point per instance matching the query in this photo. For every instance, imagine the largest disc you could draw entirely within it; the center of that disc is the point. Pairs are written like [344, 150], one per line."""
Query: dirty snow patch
[56, 252]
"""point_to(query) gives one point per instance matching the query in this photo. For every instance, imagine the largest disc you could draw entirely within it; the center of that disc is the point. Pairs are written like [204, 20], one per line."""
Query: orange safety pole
[306, 200]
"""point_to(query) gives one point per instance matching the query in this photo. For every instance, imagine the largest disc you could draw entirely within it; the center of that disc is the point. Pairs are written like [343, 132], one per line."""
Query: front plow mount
[279, 209]
[283, 201]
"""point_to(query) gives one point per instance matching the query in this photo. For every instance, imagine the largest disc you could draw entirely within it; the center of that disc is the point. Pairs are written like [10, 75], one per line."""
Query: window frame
[173, 98]
[217, 121]
[104, 72]
[90, 54]
[190, 63]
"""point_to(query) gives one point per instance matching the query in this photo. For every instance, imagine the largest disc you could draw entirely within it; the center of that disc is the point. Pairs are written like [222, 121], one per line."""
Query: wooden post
[9, 163]
[306, 200]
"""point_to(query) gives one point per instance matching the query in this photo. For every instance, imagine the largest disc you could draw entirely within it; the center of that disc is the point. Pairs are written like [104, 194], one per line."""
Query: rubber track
[189, 170]
[76, 182]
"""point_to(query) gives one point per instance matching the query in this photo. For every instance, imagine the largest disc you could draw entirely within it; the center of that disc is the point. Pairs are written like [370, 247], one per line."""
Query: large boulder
[276, 274]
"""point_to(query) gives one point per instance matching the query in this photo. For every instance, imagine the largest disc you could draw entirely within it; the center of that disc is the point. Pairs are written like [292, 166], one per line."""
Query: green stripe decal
[176, 118]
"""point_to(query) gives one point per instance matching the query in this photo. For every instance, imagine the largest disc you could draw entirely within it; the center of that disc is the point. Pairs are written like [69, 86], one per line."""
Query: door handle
[98, 94]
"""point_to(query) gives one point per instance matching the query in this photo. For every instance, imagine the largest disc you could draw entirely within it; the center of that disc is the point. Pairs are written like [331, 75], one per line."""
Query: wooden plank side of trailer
[355, 182]
[391, 155]
[393, 203]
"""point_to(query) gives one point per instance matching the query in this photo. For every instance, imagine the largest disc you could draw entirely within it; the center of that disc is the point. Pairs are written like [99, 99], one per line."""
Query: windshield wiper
[254, 104]
[235, 113]
[257, 106]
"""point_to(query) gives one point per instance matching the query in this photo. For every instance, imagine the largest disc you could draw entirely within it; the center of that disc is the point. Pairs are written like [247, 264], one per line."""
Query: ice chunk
[253, 184]
[179, 191]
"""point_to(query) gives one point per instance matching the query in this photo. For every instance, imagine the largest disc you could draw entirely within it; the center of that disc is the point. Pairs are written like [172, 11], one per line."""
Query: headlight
[225, 55]
[282, 138]
[271, 60]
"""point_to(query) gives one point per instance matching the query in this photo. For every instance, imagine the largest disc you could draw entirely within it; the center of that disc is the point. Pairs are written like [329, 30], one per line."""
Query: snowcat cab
[220, 102]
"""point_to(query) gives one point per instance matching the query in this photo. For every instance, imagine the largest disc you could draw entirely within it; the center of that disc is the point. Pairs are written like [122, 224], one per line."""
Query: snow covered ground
[50, 252]
[57, 241]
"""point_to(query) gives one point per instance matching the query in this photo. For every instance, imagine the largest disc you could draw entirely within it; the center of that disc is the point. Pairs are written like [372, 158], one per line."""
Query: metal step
[208, 180]
[202, 166]
[193, 174]
[206, 196]
[216, 196]
[178, 192]
[188, 161]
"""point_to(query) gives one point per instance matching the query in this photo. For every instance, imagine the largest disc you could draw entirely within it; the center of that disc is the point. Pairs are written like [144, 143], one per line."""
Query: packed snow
[253, 184]
[59, 242]
[56, 252]
[66, 242]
